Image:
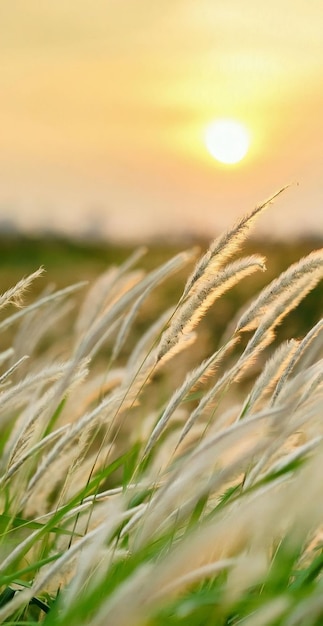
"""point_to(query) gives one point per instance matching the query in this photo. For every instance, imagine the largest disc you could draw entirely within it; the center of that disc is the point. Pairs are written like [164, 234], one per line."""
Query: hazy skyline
[104, 104]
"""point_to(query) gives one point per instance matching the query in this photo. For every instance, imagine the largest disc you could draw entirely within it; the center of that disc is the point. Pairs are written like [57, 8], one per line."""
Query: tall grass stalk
[142, 484]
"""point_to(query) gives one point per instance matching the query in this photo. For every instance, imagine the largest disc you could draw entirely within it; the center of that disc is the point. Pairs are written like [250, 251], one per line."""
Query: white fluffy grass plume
[123, 505]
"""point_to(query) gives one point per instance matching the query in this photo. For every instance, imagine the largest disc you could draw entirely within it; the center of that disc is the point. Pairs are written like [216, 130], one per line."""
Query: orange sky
[103, 106]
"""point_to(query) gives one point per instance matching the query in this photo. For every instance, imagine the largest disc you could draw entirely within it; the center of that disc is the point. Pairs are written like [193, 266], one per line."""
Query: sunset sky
[104, 106]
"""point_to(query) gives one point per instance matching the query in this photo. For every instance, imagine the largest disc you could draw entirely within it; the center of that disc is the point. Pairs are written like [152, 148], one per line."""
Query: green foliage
[156, 479]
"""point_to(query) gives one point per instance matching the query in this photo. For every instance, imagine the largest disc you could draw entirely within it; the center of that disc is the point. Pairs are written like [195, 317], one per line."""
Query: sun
[227, 140]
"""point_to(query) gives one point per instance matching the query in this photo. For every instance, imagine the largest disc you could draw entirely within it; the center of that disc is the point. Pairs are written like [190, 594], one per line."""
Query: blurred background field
[67, 261]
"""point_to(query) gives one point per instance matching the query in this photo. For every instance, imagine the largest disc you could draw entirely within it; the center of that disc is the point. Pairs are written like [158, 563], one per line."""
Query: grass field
[66, 261]
[161, 434]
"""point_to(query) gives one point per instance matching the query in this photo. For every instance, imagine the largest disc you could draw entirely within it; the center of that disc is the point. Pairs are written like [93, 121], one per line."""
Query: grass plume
[137, 492]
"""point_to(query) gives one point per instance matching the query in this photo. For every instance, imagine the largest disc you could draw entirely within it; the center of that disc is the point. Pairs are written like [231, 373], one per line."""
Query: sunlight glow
[227, 141]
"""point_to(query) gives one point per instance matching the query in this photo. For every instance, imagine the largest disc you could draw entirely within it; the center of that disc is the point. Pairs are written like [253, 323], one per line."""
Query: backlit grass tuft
[132, 499]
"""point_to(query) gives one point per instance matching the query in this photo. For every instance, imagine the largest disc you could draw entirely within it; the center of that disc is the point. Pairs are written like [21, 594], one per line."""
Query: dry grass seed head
[94, 302]
[192, 310]
[57, 295]
[306, 352]
[308, 270]
[223, 248]
[274, 369]
[16, 293]
[206, 367]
